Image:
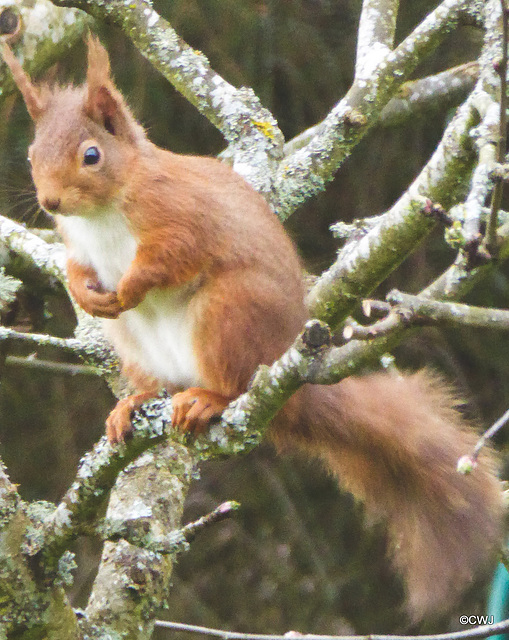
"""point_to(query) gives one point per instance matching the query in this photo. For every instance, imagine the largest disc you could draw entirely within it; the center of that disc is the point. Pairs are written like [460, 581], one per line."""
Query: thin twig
[67, 368]
[135, 531]
[421, 309]
[221, 512]
[363, 332]
[489, 433]
[482, 631]
[71, 345]
[496, 198]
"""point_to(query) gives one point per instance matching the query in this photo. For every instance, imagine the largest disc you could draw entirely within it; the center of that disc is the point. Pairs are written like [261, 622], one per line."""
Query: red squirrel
[198, 284]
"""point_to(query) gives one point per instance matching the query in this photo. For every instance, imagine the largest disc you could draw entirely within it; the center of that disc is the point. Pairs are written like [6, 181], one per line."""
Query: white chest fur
[156, 335]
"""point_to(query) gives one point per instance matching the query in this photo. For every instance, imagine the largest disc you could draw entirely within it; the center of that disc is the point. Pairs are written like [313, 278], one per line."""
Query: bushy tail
[394, 442]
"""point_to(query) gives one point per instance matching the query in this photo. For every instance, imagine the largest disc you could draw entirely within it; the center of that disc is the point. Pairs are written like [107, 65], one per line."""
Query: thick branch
[133, 583]
[430, 94]
[375, 38]
[96, 476]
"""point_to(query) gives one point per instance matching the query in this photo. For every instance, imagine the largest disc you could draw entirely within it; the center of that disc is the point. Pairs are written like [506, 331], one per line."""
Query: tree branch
[430, 94]
[41, 46]
[305, 172]
[501, 142]
[166, 543]
[48, 258]
[440, 91]
[418, 309]
[483, 631]
[97, 474]
[71, 345]
[31, 362]
[375, 39]
[362, 264]
[133, 583]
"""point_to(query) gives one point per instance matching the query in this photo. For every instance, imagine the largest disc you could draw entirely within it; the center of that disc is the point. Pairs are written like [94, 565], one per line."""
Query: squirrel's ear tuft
[104, 103]
[98, 72]
[32, 95]
[100, 105]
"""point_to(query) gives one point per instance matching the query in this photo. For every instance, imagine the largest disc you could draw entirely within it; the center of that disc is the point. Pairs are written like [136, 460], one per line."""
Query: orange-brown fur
[393, 441]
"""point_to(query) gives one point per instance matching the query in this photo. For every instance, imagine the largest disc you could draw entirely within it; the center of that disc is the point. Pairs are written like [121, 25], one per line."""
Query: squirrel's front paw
[130, 292]
[98, 302]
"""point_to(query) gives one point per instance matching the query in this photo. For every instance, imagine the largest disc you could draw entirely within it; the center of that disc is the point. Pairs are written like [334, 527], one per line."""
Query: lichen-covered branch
[24, 600]
[132, 582]
[448, 313]
[501, 145]
[430, 94]
[491, 108]
[375, 36]
[416, 310]
[363, 264]
[481, 182]
[96, 476]
[306, 172]
[8, 288]
[48, 33]
[48, 258]
[71, 345]
[172, 542]
[415, 97]
[16, 583]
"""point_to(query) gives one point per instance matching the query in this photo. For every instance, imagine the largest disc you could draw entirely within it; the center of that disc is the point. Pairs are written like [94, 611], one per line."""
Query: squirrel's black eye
[91, 156]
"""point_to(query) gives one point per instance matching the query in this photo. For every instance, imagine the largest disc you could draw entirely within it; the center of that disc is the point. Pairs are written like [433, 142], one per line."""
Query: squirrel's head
[86, 139]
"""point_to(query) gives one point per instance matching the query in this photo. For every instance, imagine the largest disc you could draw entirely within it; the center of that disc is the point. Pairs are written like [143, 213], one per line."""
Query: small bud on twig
[466, 464]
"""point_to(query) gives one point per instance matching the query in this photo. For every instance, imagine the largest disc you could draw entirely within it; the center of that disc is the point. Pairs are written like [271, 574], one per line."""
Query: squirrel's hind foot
[194, 408]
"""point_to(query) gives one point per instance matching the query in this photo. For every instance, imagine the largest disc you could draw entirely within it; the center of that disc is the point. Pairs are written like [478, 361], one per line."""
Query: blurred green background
[297, 555]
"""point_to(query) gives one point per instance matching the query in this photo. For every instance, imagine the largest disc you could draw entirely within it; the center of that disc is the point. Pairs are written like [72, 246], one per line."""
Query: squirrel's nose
[51, 204]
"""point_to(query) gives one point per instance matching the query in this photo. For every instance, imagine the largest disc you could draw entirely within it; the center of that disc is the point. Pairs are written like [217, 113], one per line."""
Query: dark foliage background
[297, 555]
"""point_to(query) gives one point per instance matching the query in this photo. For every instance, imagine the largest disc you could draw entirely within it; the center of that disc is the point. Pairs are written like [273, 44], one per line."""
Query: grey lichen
[8, 288]
[47, 32]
